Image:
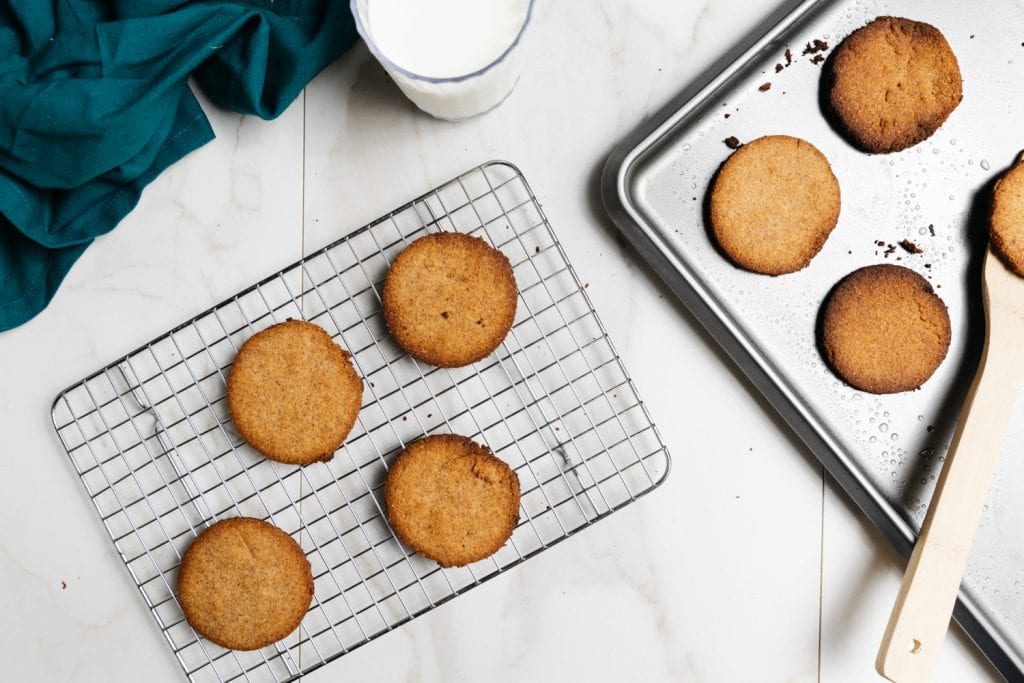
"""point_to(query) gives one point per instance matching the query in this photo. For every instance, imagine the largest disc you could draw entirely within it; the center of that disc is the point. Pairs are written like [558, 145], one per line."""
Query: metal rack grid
[151, 438]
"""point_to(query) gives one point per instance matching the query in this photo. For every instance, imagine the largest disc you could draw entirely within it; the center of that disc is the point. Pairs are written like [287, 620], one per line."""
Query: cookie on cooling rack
[293, 393]
[892, 83]
[451, 499]
[1006, 226]
[244, 584]
[884, 330]
[450, 299]
[773, 204]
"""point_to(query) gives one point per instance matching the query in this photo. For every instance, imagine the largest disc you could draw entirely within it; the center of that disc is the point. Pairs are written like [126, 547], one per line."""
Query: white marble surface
[747, 564]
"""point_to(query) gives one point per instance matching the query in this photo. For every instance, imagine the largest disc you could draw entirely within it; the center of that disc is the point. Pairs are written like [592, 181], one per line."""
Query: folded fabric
[96, 103]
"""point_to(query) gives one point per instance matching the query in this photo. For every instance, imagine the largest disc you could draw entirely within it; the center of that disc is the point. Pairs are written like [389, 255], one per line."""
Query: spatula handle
[921, 615]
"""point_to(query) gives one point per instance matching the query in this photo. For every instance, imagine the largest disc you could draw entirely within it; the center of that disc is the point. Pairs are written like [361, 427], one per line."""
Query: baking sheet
[886, 451]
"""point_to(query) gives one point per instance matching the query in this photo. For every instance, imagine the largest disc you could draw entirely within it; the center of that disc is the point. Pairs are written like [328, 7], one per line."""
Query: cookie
[773, 204]
[1006, 226]
[244, 584]
[884, 330]
[293, 393]
[892, 83]
[451, 500]
[450, 299]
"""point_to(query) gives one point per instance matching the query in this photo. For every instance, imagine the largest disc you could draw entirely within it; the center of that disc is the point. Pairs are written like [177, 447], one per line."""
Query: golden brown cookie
[884, 329]
[293, 393]
[773, 204]
[1006, 227]
[451, 500]
[450, 299]
[892, 83]
[244, 584]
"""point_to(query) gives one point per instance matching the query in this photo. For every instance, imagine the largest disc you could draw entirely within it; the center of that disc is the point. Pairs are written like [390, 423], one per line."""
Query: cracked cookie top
[892, 83]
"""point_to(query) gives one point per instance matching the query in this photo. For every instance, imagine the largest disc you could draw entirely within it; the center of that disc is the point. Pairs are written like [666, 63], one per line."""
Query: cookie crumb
[765, 87]
[931, 230]
[63, 585]
[732, 142]
[779, 67]
[817, 59]
[910, 247]
[536, 250]
[815, 46]
[727, 114]
[789, 56]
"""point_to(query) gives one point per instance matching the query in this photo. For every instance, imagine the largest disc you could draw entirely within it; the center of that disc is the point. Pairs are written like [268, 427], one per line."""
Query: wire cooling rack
[151, 438]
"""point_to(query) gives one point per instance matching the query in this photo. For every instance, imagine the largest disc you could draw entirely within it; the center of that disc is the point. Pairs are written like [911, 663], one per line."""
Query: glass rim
[388, 64]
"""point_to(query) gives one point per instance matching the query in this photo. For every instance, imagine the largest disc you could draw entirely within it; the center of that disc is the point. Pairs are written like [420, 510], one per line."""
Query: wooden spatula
[920, 617]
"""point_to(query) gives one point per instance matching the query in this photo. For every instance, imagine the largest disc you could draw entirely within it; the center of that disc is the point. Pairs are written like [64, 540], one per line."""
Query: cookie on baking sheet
[450, 299]
[892, 83]
[293, 393]
[244, 584]
[1006, 226]
[773, 204]
[451, 500]
[884, 330]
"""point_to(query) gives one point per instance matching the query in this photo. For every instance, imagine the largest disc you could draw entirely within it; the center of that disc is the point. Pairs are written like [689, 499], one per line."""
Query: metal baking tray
[885, 451]
[151, 439]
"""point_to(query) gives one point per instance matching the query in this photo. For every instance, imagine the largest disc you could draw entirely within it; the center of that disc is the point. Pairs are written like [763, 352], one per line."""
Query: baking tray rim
[620, 205]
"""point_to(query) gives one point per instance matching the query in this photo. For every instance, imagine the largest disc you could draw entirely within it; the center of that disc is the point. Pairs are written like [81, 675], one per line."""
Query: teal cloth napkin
[96, 103]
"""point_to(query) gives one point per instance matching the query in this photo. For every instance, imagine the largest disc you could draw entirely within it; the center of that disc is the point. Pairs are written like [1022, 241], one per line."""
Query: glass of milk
[453, 58]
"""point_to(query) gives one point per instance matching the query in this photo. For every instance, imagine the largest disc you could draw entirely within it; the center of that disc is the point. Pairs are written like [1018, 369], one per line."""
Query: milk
[452, 58]
[445, 38]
